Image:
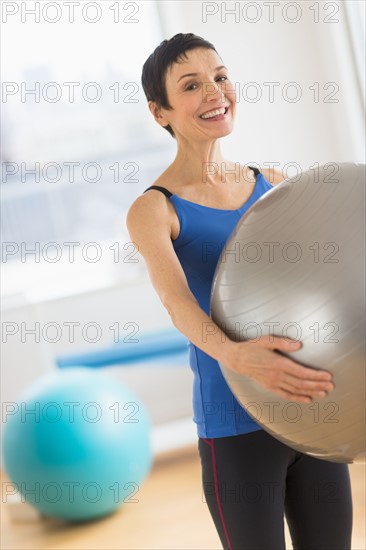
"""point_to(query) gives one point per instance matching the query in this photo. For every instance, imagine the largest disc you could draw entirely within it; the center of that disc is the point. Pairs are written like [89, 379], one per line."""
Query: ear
[156, 111]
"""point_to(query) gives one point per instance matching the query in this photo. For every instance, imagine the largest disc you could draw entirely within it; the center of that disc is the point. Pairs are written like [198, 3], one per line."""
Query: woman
[180, 225]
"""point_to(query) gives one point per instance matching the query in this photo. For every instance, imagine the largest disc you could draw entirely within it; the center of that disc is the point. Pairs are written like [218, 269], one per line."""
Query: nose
[213, 92]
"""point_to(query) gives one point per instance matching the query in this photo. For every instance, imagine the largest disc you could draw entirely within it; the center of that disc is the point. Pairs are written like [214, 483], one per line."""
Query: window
[355, 17]
[78, 141]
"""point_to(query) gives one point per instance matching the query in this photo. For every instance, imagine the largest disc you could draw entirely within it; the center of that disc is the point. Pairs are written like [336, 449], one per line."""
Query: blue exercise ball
[77, 445]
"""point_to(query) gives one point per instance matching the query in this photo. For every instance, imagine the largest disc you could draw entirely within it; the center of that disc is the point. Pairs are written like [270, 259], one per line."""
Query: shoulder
[150, 208]
[146, 204]
[272, 175]
[150, 197]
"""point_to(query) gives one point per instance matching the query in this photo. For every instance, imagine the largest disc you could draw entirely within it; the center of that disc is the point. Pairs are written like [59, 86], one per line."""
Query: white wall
[305, 52]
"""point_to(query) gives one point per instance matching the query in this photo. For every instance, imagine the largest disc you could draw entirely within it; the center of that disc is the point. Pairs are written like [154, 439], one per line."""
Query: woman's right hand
[277, 373]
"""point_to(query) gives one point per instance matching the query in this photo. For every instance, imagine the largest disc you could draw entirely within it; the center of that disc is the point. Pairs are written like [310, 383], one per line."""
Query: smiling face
[206, 88]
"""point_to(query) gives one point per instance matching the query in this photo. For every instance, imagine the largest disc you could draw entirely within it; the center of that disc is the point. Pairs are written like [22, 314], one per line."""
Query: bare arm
[149, 228]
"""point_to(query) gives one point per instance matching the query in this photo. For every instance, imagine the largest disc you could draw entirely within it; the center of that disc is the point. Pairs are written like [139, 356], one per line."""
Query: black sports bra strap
[255, 170]
[169, 194]
[162, 189]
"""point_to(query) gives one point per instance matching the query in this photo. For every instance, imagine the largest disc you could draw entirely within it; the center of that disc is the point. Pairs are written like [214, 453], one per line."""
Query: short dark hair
[157, 64]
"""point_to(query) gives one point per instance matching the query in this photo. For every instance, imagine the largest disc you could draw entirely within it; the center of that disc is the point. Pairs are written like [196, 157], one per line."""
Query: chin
[227, 132]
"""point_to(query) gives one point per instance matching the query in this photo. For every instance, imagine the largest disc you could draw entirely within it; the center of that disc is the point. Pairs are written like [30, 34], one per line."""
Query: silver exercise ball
[295, 266]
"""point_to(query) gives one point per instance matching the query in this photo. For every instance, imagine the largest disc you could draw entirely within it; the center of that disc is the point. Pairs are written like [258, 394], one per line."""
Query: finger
[289, 396]
[304, 391]
[318, 388]
[308, 385]
[278, 342]
[305, 373]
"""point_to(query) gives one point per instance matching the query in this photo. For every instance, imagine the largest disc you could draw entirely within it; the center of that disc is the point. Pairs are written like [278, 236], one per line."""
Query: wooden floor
[171, 514]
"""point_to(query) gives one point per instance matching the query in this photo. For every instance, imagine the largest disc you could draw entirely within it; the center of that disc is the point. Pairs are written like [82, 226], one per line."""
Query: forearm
[257, 360]
[190, 319]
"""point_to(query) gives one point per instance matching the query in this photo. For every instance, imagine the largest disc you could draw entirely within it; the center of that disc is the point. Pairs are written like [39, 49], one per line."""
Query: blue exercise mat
[164, 343]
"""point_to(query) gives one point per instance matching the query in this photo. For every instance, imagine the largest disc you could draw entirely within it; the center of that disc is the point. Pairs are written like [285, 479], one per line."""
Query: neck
[201, 162]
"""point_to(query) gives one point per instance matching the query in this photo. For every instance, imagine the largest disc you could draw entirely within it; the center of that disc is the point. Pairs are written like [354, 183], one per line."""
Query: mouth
[219, 116]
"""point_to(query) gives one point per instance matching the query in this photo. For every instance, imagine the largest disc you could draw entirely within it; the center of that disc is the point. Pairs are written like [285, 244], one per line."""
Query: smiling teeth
[214, 113]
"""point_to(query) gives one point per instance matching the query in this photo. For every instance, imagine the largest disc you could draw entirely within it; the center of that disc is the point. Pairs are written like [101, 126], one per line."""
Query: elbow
[170, 305]
[175, 305]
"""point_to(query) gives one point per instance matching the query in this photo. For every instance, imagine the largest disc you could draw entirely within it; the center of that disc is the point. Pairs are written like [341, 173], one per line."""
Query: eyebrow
[195, 74]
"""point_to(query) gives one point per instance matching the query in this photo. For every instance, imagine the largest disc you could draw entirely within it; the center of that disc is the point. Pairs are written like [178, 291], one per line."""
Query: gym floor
[170, 514]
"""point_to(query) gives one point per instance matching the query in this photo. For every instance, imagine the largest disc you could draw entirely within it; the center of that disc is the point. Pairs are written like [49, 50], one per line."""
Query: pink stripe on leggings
[216, 483]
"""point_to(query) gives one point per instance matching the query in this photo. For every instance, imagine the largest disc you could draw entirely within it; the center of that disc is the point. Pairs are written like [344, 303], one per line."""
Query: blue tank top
[203, 234]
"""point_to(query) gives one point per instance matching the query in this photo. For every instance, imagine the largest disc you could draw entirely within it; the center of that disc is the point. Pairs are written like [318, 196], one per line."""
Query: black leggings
[250, 481]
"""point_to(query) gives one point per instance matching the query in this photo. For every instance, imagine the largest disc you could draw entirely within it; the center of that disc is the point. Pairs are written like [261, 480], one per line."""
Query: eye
[190, 86]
